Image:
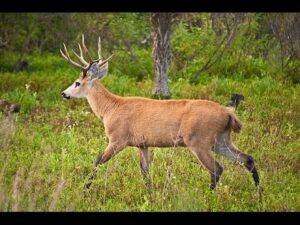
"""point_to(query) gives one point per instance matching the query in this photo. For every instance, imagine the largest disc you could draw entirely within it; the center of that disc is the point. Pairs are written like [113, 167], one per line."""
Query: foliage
[264, 44]
[251, 53]
[48, 149]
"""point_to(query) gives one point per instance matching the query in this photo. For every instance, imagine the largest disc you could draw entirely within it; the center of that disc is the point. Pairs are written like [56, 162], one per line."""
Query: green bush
[48, 149]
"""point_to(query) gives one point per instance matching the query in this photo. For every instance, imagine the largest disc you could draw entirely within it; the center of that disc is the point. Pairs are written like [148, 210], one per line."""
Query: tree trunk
[23, 64]
[161, 30]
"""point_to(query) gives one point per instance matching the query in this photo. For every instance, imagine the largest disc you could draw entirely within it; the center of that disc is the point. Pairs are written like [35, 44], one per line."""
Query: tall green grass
[48, 149]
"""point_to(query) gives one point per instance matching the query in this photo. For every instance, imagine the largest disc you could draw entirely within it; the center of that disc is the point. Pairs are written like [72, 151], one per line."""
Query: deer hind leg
[205, 157]
[144, 160]
[110, 151]
[226, 148]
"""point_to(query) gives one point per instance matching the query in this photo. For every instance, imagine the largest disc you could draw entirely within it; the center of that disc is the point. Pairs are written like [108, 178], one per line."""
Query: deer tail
[234, 123]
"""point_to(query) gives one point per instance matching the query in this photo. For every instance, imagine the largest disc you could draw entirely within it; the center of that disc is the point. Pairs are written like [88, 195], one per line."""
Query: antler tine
[66, 55]
[103, 62]
[81, 56]
[61, 52]
[99, 48]
[86, 50]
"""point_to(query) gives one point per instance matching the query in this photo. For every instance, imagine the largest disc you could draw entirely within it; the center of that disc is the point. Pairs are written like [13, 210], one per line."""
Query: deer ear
[96, 72]
[103, 70]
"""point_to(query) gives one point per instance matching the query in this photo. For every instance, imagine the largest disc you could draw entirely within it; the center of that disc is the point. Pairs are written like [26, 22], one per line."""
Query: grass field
[47, 150]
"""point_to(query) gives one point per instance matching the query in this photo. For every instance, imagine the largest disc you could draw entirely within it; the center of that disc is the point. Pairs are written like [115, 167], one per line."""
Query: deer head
[90, 71]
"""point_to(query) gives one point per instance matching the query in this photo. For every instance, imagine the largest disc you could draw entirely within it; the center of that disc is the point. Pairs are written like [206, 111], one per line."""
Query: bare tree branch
[229, 37]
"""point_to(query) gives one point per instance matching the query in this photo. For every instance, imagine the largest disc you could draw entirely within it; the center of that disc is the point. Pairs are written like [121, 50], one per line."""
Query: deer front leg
[144, 160]
[110, 151]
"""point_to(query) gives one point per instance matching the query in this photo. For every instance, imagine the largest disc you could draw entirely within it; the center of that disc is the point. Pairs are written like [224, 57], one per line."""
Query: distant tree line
[201, 41]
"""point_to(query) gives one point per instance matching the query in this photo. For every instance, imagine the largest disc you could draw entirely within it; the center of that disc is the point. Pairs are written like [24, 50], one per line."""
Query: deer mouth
[65, 96]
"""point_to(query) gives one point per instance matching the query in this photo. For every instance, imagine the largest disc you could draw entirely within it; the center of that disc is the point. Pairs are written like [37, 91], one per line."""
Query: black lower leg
[255, 176]
[90, 179]
[93, 174]
[251, 167]
[215, 177]
[214, 181]
[98, 160]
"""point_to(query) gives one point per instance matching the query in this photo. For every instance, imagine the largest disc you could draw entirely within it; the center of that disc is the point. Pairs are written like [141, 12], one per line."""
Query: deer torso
[140, 121]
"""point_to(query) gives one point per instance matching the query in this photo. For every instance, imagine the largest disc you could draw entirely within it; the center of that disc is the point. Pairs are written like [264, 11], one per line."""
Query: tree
[226, 41]
[286, 29]
[161, 30]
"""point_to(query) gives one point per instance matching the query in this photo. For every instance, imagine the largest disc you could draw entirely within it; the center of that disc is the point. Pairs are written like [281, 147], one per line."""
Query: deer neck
[101, 100]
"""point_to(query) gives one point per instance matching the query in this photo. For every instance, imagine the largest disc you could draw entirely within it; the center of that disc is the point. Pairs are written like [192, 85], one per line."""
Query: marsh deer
[200, 125]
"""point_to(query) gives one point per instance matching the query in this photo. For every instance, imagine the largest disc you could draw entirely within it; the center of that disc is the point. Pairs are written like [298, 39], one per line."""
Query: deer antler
[81, 56]
[86, 49]
[86, 65]
[104, 61]
[66, 55]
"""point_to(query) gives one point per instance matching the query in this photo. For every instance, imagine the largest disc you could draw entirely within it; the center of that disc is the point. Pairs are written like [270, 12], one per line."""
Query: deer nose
[65, 95]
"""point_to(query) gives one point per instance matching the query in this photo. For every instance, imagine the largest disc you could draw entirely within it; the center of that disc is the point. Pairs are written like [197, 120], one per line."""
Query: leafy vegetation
[47, 150]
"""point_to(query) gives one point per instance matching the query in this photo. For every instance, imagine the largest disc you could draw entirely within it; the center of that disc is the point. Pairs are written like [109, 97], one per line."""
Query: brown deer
[199, 125]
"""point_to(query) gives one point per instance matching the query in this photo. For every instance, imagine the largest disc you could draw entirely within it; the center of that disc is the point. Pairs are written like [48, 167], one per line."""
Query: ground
[47, 150]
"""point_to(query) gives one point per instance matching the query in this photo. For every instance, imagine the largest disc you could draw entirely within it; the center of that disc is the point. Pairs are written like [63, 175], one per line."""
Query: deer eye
[77, 84]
